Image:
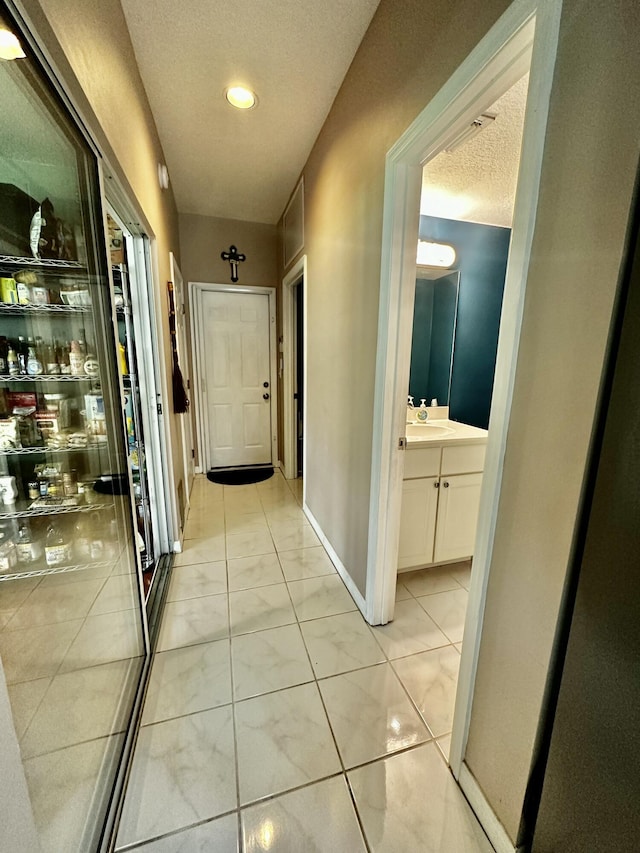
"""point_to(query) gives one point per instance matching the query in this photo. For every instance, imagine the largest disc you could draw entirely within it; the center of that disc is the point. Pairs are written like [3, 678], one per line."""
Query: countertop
[432, 433]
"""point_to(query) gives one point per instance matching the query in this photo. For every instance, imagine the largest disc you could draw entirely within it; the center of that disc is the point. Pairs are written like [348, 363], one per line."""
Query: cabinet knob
[265, 396]
[436, 485]
[446, 485]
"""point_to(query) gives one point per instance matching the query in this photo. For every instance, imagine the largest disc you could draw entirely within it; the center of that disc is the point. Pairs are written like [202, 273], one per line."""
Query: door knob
[265, 396]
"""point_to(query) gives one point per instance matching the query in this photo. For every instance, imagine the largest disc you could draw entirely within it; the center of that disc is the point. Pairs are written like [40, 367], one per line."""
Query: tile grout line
[233, 715]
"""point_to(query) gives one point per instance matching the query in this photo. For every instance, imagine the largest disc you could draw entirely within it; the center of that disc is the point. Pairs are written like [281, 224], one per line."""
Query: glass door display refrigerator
[128, 362]
[73, 640]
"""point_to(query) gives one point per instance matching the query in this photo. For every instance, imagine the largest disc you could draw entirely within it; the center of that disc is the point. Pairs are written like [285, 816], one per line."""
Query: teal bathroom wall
[482, 252]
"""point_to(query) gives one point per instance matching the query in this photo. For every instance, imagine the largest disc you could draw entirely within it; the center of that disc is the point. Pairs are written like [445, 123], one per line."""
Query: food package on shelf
[9, 434]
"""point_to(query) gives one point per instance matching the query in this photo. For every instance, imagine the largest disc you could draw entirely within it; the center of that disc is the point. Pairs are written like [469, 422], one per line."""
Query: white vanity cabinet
[440, 501]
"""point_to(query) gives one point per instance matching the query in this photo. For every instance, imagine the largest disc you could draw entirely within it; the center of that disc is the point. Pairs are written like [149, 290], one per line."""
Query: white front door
[236, 329]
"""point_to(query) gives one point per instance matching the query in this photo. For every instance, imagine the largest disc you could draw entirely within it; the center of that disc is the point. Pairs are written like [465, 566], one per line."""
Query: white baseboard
[177, 547]
[495, 831]
[344, 574]
[197, 469]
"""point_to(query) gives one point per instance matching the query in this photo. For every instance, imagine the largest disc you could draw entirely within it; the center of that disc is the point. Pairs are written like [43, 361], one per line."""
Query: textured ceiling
[477, 181]
[293, 53]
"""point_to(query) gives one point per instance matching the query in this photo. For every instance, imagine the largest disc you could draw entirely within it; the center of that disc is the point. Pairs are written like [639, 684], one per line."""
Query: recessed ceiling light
[10, 47]
[241, 97]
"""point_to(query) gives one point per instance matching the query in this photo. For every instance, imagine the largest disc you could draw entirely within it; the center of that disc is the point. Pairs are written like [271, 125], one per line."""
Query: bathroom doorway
[524, 39]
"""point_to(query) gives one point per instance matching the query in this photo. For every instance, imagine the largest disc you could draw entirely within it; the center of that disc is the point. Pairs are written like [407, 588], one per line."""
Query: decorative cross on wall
[234, 259]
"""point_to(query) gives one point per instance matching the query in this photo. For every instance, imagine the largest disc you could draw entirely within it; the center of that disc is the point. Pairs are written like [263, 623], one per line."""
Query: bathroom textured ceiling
[293, 53]
[477, 181]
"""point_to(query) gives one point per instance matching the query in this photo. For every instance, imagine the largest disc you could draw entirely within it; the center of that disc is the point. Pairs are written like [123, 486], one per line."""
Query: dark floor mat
[240, 476]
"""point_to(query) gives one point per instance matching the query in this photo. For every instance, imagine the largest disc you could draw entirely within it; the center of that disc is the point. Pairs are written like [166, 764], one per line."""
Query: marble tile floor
[276, 719]
[71, 651]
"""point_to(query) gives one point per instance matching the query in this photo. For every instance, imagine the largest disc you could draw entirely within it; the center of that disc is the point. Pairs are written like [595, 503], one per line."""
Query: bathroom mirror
[434, 325]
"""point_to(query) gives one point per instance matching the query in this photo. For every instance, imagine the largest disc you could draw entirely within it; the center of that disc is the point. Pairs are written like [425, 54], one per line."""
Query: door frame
[528, 28]
[289, 357]
[186, 424]
[196, 290]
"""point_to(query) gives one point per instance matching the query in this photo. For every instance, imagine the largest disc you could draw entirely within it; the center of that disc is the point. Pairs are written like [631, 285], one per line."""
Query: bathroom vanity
[444, 462]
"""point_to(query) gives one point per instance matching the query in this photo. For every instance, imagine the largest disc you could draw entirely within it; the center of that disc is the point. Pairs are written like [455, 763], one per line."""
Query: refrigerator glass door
[72, 635]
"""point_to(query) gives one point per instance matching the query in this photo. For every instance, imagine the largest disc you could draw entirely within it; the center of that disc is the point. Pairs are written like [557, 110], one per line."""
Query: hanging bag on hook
[180, 400]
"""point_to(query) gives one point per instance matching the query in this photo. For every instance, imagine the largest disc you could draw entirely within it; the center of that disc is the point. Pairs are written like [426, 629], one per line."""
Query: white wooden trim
[196, 289]
[526, 35]
[166, 445]
[495, 831]
[547, 25]
[337, 562]
[288, 367]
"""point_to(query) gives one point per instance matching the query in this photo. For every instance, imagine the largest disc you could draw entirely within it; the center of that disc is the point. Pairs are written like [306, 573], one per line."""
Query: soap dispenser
[423, 413]
[410, 409]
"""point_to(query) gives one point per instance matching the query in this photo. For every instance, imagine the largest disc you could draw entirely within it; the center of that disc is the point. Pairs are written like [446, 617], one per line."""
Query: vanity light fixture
[10, 47]
[435, 254]
[241, 97]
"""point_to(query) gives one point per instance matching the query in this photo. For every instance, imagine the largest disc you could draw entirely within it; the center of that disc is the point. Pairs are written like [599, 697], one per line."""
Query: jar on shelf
[57, 548]
[8, 555]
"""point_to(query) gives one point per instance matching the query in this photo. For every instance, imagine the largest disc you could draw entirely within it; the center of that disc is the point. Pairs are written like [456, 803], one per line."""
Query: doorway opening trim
[291, 279]
[526, 35]
[196, 289]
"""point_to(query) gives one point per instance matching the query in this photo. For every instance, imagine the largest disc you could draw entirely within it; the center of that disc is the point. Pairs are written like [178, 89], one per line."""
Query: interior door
[181, 341]
[237, 378]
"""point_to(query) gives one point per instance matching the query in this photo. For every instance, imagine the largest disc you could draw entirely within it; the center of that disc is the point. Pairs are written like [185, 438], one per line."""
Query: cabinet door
[417, 522]
[457, 516]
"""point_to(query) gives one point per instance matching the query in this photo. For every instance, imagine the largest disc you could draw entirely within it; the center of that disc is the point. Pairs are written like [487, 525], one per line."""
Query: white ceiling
[477, 181]
[293, 53]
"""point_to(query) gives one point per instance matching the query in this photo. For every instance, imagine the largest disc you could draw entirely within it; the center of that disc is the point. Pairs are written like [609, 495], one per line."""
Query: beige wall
[91, 50]
[204, 238]
[591, 154]
[409, 51]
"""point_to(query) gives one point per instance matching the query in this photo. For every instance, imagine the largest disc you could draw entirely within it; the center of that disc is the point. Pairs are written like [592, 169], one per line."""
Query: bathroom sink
[428, 430]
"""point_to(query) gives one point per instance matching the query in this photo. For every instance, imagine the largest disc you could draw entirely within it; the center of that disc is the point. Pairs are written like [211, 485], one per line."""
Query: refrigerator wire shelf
[31, 451]
[47, 377]
[49, 308]
[27, 512]
[55, 263]
[56, 570]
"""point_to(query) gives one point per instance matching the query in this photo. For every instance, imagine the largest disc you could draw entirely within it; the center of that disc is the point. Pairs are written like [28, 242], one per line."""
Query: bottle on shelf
[8, 555]
[62, 355]
[28, 547]
[76, 359]
[51, 365]
[34, 363]
[4, 351]
[57, 548]
[13, 364]
[22, 350]
[81, 539]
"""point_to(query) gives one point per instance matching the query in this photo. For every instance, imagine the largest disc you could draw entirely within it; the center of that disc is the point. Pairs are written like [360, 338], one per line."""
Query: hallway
[276, 719]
